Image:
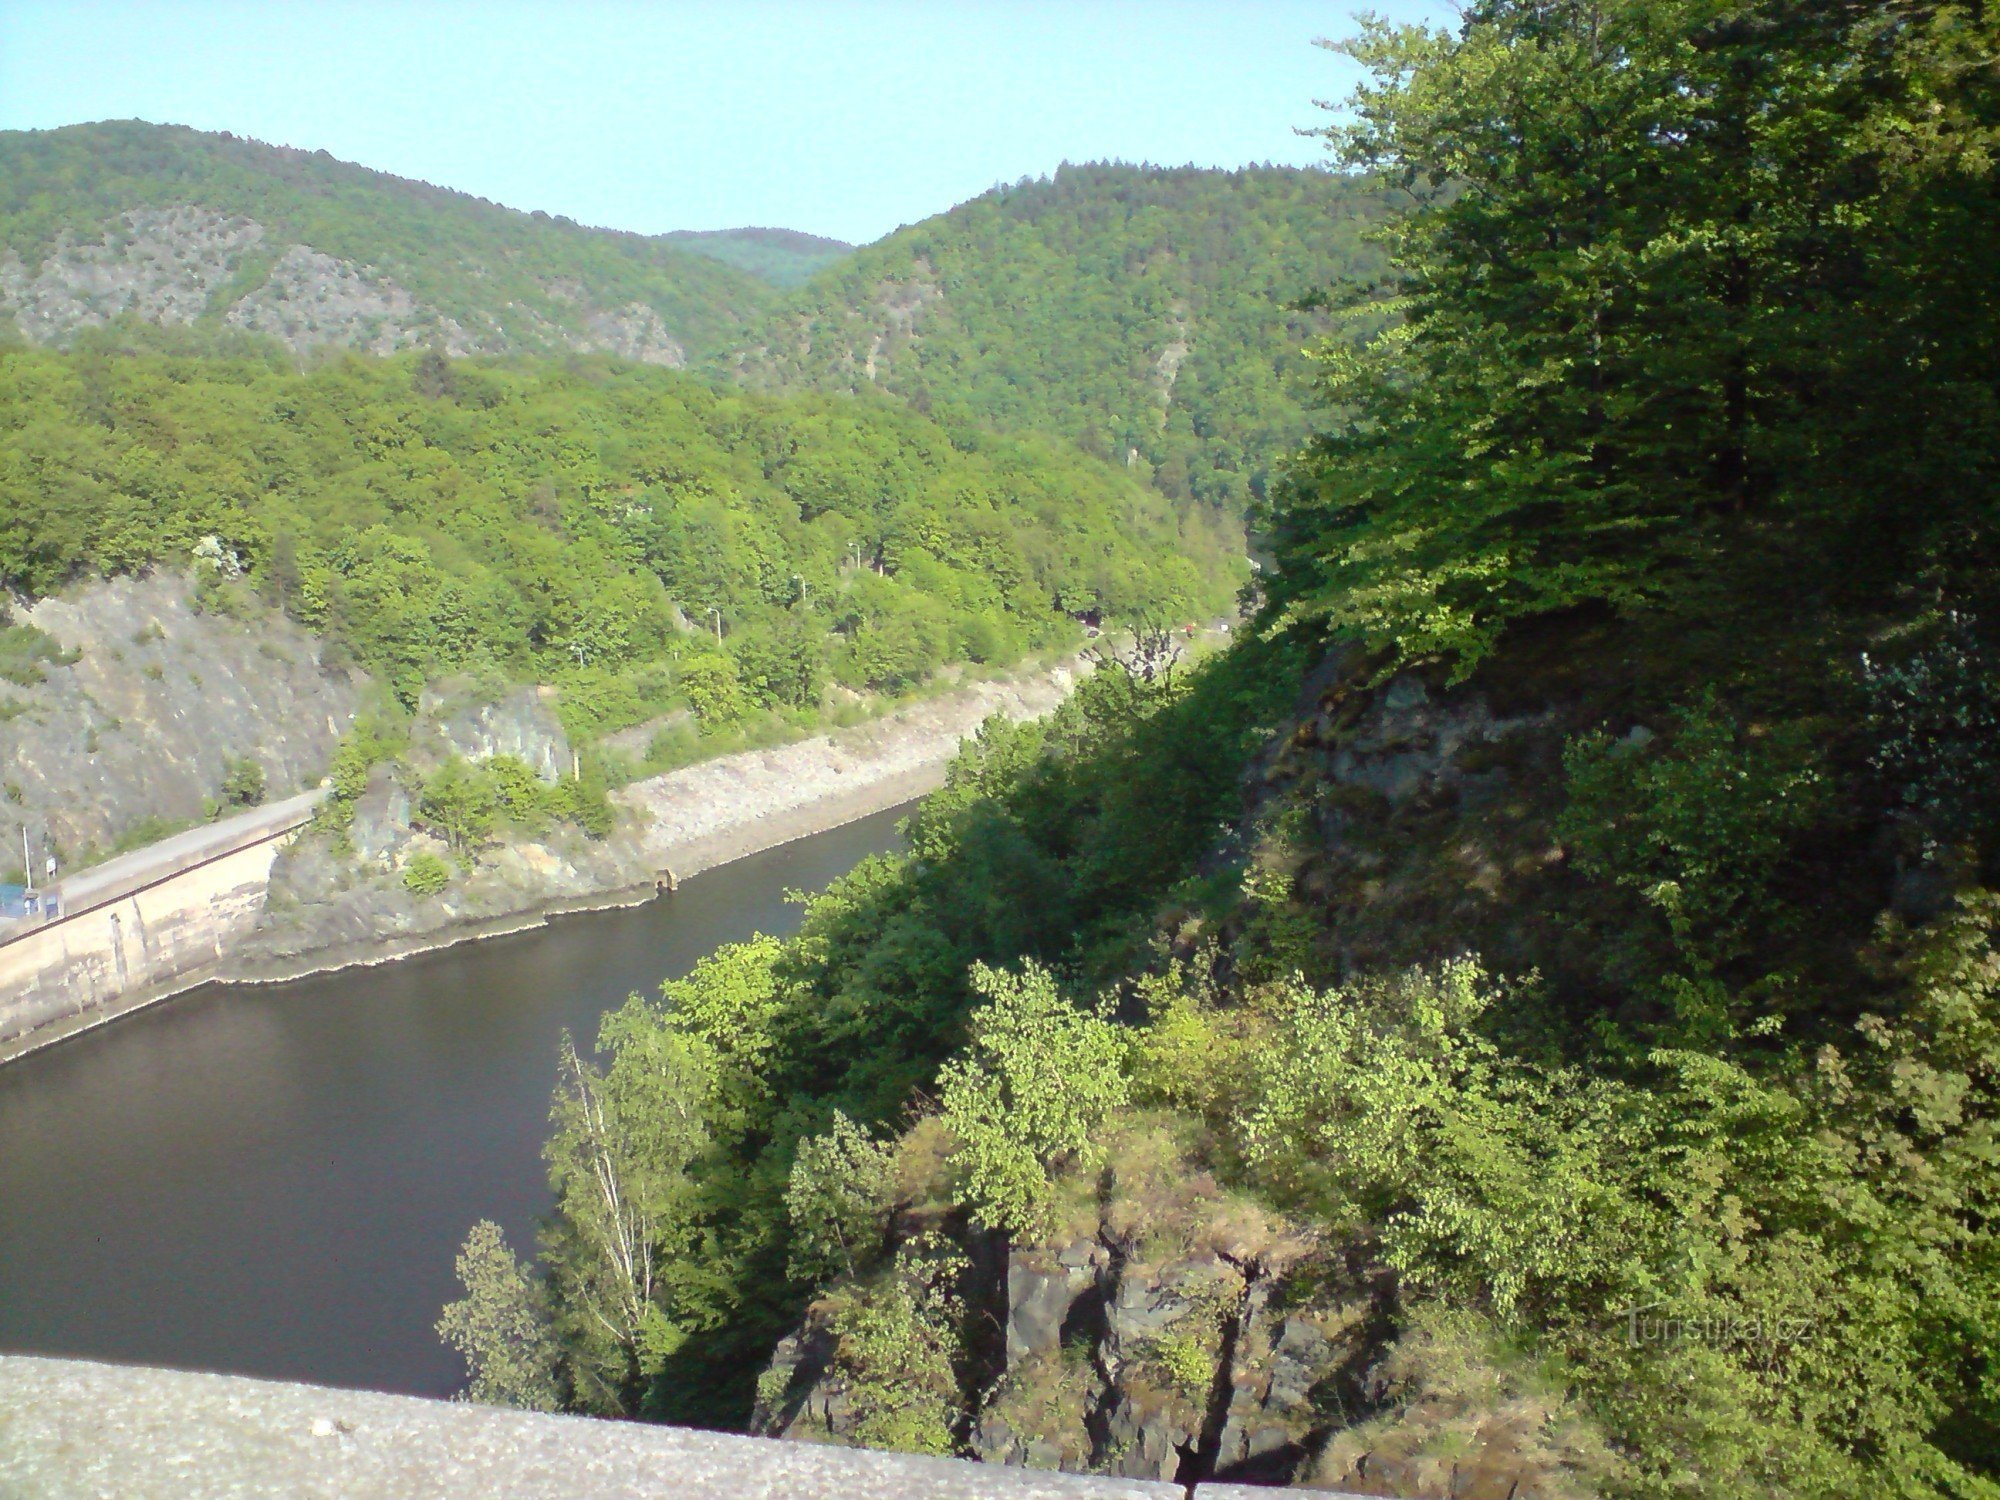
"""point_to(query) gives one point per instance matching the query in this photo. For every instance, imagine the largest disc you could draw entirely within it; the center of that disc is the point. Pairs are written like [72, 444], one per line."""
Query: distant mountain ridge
[1147, 314]
[173, 225]
[783, 257]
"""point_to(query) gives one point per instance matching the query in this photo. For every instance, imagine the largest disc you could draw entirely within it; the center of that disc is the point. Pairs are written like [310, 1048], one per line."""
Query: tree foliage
[599, 525]
[1140, 312]
[1682, 278]
[1029, 1092]
[500, 1327]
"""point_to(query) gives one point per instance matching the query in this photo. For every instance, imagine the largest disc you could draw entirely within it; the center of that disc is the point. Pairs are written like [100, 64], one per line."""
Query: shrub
[897, 1345]
[426, 874]
[458, 804]
[838, 1199]
[26, 651]
[1038, 1078]
[243, 783]
[1936, 720]
[1697, 826]
[710, 683]
[501, 1326]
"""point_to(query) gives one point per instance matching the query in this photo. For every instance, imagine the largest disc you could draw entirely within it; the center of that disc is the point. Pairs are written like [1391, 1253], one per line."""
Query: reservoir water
[274, 1179]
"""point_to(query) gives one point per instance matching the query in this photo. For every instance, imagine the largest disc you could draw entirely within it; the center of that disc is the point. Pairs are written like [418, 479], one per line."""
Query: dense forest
[634, 535]
[1154, 317]
[1140, 312]
[1536, 992]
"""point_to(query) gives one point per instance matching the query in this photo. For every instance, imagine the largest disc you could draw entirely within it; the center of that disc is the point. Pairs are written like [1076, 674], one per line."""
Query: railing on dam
[126, 874]
[76, 1428]
[140, 927]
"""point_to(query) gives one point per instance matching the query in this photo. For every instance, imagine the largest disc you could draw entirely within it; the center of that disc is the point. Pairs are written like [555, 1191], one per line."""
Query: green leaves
[501, 1326]
[595, 526]
[1663, 261]
[838, 1199]
[1037, 1078]
[1696, 822]
[619, 1158]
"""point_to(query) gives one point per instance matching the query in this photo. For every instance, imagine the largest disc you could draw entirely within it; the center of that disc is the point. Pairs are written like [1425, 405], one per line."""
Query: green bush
[1696, 822]
[426, 874]
[26, 651]
[1037, 1079]
[243, 783]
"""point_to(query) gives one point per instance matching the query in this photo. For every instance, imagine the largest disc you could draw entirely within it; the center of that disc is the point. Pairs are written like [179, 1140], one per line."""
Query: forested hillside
[1526, 1019]
[1142, 314]
[634, 535]
[1137, 311]
[177, 226]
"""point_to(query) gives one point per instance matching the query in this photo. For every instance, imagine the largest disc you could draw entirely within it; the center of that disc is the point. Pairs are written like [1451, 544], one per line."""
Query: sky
[839, 117]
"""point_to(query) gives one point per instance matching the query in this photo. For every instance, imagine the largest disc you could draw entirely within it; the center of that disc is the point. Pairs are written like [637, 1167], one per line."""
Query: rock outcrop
[1166, 1329]
[180, 264]
[135, 727]
[312, 298]
[162, 265]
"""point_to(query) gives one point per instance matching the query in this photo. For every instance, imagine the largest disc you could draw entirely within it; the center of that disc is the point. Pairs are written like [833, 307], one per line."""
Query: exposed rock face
[328, 906]
[162, 265]
[310, 298]
[521, 725]
[142, 726]
[634, 331]
[175, 265]
[1403, 809]
[801, 1396]
[1162, 1332]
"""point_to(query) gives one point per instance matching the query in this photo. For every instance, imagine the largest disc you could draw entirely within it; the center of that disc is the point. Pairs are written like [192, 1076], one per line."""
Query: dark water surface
[274, 1179]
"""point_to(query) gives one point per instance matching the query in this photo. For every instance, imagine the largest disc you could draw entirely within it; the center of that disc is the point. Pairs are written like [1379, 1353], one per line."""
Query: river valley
[273, 1180]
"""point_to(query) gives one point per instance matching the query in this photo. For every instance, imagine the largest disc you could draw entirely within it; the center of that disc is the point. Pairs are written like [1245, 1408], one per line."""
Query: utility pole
[805, 600]
[718, 623]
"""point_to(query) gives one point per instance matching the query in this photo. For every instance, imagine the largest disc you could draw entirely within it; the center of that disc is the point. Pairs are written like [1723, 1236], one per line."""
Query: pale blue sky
[842, 117]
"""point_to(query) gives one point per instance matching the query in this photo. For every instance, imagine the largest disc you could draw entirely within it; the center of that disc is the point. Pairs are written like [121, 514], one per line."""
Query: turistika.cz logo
[1646, 1327]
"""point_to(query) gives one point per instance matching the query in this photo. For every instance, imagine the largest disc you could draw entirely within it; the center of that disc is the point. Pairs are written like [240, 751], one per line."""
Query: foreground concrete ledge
[73, 1428]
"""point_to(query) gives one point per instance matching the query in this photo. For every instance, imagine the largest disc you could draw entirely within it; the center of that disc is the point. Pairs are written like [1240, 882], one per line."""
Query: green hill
[783, 257]
[172, 225]
[1139, 311]
[587, 523]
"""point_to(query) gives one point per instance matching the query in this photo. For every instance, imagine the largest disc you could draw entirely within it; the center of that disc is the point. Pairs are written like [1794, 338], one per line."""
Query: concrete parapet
[71, 1429]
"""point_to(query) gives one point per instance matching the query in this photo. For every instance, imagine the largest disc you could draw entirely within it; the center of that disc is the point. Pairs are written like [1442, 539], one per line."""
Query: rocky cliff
[1169, 1329]
[186, 264]
[134, 728]
[1164, 1325]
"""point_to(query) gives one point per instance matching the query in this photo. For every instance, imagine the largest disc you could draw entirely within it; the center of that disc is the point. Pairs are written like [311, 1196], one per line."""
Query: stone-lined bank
[329, 909]
[280, 909]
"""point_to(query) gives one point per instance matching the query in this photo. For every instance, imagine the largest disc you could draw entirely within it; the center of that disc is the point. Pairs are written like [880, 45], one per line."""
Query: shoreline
[771, 832]
[907, 764]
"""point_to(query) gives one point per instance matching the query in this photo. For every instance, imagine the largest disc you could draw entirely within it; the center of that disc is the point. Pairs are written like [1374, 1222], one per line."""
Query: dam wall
[139, 927]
